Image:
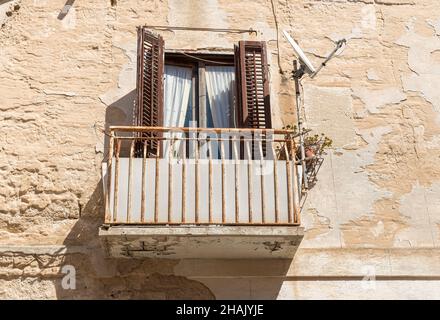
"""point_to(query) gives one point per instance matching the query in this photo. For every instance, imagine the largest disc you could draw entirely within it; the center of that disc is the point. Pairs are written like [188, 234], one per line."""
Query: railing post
[289, 183]
[222, 153]
[184, 183]
[116, 191]
[236, 157]
[196, 177]
[275, 182]
[130, 180]
[170, 176]
[263, 203]
[210, 178]
[109, 177]
[156, 183]
[144, 183]
[250, 187]
[296, 207]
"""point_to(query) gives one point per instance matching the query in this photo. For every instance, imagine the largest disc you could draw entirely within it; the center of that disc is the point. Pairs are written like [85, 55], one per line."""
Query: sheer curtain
[220, 86]
[177, 90]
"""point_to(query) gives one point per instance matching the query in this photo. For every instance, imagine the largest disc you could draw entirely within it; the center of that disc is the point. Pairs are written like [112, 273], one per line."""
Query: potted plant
[314, 147]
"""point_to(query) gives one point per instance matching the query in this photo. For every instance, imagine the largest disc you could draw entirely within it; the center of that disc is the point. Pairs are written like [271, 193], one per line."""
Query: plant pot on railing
[309, 153]
[313, 147]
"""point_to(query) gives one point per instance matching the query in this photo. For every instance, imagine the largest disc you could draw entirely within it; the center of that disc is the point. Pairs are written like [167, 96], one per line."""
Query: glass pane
[189, 112]
[209, 121]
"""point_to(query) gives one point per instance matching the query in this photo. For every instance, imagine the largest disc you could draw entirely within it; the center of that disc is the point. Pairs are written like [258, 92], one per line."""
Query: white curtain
[177, 90]
[220, 86]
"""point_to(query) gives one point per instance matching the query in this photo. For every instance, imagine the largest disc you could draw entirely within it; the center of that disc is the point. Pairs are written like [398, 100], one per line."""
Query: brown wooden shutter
[149, 85]
[252, 79]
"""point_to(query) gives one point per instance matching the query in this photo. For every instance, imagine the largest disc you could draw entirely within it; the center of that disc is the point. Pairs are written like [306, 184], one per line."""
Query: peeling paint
[426, 71]
[376, 99]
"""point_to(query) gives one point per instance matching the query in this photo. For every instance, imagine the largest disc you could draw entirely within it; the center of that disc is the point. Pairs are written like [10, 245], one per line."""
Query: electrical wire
[278, 42]
[250, 30]
[204, 60]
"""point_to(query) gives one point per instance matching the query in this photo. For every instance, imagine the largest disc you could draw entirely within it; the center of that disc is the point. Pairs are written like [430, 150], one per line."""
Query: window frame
[250, 58]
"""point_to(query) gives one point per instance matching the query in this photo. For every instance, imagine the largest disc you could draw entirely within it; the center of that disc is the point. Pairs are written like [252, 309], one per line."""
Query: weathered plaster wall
[375, 209]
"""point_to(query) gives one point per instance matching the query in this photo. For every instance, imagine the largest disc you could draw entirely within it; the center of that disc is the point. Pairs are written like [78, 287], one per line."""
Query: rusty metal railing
[202, 176]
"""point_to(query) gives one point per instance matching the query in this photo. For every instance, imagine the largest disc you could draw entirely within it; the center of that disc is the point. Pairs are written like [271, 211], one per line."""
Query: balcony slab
[198, 242]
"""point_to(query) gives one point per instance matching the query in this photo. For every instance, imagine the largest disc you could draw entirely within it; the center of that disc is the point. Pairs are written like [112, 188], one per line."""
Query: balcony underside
[199, 242]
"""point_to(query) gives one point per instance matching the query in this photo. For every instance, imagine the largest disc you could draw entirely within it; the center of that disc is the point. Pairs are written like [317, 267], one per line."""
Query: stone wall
[65, 75]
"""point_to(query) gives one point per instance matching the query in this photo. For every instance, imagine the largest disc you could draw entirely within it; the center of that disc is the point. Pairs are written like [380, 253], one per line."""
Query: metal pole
[299, 119]
[339, 45]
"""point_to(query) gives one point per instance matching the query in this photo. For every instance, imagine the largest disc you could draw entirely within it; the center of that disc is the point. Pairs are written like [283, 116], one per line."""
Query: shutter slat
[149, 85]
[252, 75]
[253, 87]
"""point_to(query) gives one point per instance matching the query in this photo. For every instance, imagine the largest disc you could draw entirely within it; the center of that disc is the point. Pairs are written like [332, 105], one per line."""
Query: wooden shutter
[253, 85]
[149, 85]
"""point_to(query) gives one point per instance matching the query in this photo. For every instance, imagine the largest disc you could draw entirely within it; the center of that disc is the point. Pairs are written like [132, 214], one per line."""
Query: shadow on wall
[119, 113]
[235, 279]
[88, 274]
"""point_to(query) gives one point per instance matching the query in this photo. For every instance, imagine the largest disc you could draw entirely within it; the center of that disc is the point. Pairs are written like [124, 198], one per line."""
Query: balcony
[201, 193]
